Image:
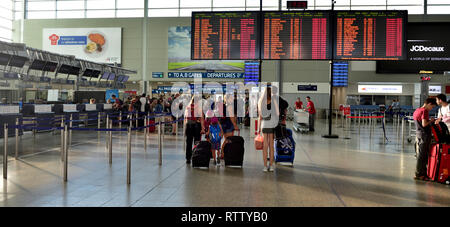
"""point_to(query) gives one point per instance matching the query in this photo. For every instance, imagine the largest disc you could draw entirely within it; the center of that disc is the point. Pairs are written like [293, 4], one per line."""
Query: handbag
[259, 142]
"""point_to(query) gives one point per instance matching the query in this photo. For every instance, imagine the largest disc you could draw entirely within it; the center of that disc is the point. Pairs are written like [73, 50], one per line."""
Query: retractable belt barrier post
[145, 133]
[17, 139]
[137, 120]
[66, 152]
[98, 121]
[110, 143]
[62, 139]
[107, 126]
[160, 142]
[129, 156]
[70, 132]
[403, 133]
[120, 119]
[5, 151]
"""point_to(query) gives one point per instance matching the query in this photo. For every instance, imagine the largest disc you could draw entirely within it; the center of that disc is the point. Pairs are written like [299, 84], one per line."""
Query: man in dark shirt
[423, 137]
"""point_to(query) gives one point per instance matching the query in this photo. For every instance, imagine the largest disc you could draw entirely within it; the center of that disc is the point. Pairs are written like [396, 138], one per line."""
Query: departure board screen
[370, 35]
[299, 35]
[225, 36]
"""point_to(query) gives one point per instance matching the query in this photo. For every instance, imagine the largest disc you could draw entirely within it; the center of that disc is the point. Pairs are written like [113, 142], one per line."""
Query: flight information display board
[299, 35]
[370, 35]
[225, 36]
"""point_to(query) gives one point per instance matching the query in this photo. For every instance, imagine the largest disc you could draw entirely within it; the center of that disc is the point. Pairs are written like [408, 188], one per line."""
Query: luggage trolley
[301, 121]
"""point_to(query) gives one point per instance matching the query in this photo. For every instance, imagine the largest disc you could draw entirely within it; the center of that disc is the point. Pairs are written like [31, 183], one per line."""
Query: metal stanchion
[107, 126]
[137, 120]
[160, 141]
[66, 152]
[145, 133]
[384, 128]
[62, 139]
[129, 156]
[17, 139]
[70, 131]
[5, 151]
[120, 120]
[403, 133]
[110, 143]
[337, 114]
[130, 119]
[98, 120]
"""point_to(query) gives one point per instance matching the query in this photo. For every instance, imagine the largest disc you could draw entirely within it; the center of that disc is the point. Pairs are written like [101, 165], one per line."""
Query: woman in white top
[444, 110]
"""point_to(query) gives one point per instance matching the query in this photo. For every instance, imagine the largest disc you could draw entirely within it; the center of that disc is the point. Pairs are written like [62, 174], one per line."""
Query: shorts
[268, 130]
[215, 146]
[227, 126]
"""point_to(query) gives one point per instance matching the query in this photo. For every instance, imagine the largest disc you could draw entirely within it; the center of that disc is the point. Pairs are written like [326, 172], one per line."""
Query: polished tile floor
[357, 169]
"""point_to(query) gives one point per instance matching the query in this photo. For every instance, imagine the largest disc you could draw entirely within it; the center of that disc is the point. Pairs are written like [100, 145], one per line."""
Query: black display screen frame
[257, 33]
[404, 43]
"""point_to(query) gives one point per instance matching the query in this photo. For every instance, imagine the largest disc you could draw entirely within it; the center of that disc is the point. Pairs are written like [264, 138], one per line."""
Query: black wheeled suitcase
[201, 154]
[234, 151]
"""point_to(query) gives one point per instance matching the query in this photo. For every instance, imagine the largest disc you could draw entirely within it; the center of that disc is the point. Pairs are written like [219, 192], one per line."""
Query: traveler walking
[194, 126]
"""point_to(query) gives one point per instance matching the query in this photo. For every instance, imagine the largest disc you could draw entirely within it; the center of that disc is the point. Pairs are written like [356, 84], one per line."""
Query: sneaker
[265, 169]
[218, 162]
[271, 169]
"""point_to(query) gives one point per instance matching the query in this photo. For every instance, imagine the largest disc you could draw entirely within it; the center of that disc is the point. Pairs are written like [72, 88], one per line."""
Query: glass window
[163, 13]
[100, 14]
[41, 14]
[41, 5]
[195, 3]
[253, 3]
[411, 9]
[162, 3]
[5, 33]
[188, 12]
[228, 9]
[370, 3]
[7, 4]
[438, 9]
[368, 7]
[70, 14]
[323, 3]
[101, 4]
[5, 23]
[70, 5]
[343, 3]
[6, 13]
[229, 3]
[438, 2]
[130, 4]
[270, 3]
[130, 13]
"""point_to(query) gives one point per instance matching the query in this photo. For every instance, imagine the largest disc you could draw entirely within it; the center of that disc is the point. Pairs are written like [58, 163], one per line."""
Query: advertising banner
[102, 45]
[109, 93]
[380, 89]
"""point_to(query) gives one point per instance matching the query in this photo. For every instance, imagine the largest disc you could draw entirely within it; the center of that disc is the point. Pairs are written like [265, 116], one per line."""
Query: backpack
[214, 132]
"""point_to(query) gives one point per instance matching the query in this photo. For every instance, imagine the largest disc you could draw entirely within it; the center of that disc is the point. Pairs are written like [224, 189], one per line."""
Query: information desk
[10, 119]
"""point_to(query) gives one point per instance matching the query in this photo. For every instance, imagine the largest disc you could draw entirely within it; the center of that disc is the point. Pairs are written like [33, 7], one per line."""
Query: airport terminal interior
[96, 104]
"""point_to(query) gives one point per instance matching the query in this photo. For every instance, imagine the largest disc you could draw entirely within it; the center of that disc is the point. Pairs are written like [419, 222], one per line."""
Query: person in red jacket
[312, 113]
[298, 104]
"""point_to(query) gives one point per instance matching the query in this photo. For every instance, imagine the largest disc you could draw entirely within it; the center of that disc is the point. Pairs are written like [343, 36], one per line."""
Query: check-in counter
[91, 113]
[44, 117]
[70, 110]
[9, 115]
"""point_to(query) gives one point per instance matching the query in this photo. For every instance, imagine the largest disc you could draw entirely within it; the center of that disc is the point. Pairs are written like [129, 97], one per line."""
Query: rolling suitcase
[234, 151]
[201, 154]
[285, 148]
[439, 163]
[151, 125]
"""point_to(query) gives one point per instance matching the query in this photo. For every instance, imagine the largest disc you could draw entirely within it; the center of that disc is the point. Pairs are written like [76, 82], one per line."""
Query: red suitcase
[439, 163]
[151, 125]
